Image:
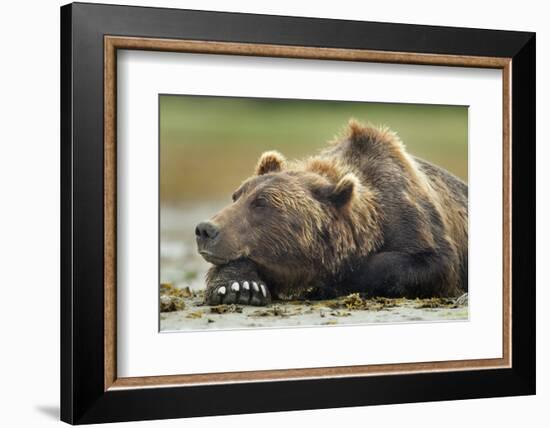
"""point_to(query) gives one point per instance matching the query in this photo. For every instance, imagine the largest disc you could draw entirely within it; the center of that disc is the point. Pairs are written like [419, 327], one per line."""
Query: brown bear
[362, 216]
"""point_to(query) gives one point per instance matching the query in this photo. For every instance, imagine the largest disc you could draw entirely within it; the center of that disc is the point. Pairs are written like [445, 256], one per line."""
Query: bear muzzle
[206, 230]
[207, 234]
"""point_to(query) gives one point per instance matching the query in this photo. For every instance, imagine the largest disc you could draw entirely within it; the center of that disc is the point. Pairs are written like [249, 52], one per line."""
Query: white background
[142, 351]
[29, 222]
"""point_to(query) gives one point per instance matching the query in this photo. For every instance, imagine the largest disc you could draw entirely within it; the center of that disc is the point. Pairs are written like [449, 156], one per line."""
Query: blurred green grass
[208, 145]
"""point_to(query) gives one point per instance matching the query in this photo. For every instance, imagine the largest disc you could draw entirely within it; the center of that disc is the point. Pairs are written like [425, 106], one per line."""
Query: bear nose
[206, 230]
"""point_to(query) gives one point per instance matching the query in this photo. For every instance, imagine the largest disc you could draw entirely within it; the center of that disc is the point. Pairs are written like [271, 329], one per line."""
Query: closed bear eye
[259, 203]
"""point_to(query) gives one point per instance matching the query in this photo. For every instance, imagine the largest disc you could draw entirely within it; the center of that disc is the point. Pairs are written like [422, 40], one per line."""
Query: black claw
[214, 298]
[230, 297]
[244, 296]
[256, 296]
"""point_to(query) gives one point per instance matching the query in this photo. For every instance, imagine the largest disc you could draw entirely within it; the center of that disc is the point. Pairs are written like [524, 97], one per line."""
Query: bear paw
[240, 292]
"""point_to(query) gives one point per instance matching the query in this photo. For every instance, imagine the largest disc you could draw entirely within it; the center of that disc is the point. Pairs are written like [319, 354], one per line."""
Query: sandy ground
[343, 311]
[182, 301]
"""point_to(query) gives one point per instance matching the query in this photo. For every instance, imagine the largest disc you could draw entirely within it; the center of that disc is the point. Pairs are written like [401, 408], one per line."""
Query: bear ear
[271, 161]
[356, 130]
[361, 134]
[344, 191]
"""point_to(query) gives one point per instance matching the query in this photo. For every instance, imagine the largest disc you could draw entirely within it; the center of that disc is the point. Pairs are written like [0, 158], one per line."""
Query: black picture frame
[83, 398]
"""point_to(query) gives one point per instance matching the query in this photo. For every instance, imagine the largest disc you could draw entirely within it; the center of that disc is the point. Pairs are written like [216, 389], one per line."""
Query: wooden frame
[513, 53]
[112, 43]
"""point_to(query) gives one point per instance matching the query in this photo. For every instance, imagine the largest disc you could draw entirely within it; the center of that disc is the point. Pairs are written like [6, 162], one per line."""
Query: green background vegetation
[208, 145]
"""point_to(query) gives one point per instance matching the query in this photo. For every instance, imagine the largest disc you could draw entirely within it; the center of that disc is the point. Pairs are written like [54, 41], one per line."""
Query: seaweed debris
[194, 315]
[224, 309]
[436, 302]
[275, 310]
[173, 298]
[354, 302]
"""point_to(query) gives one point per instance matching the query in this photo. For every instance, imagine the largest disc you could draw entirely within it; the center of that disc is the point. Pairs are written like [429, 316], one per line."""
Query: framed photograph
[266, 213]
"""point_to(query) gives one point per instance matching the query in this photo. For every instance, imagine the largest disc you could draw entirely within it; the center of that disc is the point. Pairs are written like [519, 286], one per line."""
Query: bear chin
[214, 259]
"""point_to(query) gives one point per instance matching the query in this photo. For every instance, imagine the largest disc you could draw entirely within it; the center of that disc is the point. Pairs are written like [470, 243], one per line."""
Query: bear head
[292, 221]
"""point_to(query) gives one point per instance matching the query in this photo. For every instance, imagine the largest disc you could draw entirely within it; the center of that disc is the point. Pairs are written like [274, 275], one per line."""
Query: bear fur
[362, 216]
